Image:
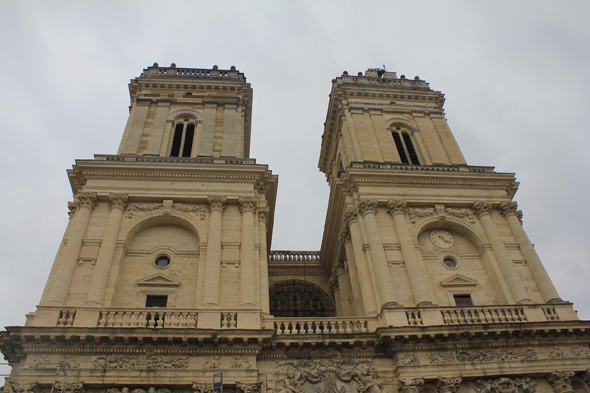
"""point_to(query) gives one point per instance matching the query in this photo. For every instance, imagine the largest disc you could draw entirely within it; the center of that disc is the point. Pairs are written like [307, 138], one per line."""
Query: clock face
[441, 238]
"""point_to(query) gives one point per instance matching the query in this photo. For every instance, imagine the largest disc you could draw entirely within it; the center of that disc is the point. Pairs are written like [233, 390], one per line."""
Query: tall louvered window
[405, 147]
[182, 141]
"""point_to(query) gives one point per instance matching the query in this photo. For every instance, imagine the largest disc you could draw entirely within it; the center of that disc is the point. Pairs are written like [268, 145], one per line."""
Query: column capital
[350, 215]
[263, 214]
[481, 208]
[397, 206]
[86, 199]
[72, 207]
[561, 382]
[248, 204]
[508, 208]
[344, 234]
[447, 385]
[216, 202]
[334, 285]
[366, 206]
[118, 201]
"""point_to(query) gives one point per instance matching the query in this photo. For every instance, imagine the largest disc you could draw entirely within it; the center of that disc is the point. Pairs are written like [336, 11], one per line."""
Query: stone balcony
[402, 317]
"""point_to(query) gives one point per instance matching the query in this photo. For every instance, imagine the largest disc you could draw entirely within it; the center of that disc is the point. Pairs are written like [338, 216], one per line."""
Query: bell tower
[417, 225]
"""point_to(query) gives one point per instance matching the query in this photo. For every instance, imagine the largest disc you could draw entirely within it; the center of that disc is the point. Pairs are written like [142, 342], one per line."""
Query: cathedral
[165, 281]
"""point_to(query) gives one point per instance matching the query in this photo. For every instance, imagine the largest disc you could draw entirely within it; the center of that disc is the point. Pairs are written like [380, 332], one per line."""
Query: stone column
[368, 208]
[357, 297]
[213, 263]
[69, 257]
[263, 214]
[364, 277]
[419, 280]
[528, 251]
[247, 255]
[335, 287]
[483, 211]
[344, 285]
[102, 268]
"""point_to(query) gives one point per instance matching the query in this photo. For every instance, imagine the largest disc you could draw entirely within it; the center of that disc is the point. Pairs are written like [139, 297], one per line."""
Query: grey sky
[515, 73]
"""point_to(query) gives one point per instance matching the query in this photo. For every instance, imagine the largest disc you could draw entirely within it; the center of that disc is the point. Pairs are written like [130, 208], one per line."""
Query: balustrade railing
[474, 315]
[321, 326]
[294, 256]
[148, 318]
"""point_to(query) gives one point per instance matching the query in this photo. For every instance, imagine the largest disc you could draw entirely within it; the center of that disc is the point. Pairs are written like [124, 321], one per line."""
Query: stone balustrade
[471, 315]
[294, 256]
[200, 160]
[290, 326]
[148, 318]
[422, 168]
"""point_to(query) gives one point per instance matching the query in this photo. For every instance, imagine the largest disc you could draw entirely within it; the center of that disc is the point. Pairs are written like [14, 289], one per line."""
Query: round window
[450, 263]
[162, 261]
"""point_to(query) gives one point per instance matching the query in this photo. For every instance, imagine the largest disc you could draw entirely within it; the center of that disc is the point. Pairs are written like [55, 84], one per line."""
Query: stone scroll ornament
[330, 376]
[503, 385]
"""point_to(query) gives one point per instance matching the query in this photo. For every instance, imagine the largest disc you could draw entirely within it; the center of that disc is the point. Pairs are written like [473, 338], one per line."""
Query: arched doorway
[297, 298]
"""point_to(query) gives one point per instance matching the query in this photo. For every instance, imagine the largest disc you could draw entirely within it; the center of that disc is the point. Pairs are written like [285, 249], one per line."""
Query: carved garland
[134, 209]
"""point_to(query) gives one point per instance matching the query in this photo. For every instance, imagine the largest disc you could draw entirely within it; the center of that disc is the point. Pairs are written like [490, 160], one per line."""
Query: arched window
[182, 141]
[405, 147]
[297, 298]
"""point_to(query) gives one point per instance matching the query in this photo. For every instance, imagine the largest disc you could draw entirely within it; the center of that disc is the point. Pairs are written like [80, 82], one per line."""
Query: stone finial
[366, 206]
[397, 206]
[481, 208]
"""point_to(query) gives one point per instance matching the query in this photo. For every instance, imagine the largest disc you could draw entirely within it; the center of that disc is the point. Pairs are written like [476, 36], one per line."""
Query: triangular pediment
[158, 280]
[459, 280]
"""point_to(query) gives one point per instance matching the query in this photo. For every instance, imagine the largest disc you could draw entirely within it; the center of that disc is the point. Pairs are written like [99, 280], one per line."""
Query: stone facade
[425, 283]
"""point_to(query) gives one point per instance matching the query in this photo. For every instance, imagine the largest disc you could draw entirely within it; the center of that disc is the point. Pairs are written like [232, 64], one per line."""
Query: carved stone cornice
[447, 385]
[118, 201]
[481, 208]
[508, 208]
[86, 199]
[350, 215]
[561, 381]
[397, 206]
[248, 204]
[366, 206]
[216, 202]
[263, 214]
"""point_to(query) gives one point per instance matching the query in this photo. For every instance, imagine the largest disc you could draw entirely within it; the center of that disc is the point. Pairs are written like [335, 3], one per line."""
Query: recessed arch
[183, 113]
[470, 231]
[298, 298]
[154, 218]
[402, 123]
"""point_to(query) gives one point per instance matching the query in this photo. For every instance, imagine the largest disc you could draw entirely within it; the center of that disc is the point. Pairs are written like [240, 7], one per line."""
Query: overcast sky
[515, 74]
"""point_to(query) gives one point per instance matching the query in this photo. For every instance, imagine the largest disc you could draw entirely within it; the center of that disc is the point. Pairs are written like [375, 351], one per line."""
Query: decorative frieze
[70, 387]
[240, 362]
[249, 387]
[503, 385]
[212, 363]
[419, 212]
[359, 374]
[134, 209]
[151, 362]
